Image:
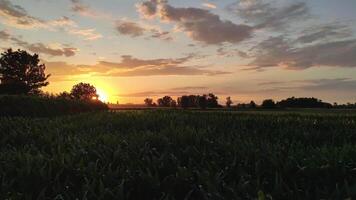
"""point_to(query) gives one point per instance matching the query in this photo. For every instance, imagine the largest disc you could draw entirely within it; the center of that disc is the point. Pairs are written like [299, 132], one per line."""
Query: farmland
[177, 154]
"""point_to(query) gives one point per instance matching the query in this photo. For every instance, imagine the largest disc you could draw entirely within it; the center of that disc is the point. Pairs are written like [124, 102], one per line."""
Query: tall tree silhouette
[21, 73]
[84, 91]
[228, 102]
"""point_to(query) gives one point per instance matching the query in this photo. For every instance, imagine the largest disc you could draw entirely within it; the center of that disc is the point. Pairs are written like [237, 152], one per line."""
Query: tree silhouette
[252, 104]
[84, 91]
[166, 101]
[148, 102]
[202, 102]
[21, 73]
[268, 103]
[228, 102]
[212, 101]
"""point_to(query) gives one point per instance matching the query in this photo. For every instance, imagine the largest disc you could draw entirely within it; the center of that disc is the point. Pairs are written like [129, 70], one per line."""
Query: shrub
[32, 106]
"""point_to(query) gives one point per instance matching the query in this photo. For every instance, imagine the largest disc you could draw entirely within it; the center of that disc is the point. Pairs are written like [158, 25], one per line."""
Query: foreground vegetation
[34, 106]
[179, 155]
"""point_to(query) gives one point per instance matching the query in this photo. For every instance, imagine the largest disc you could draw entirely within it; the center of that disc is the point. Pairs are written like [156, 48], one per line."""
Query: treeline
[187, 101]
[211, 101]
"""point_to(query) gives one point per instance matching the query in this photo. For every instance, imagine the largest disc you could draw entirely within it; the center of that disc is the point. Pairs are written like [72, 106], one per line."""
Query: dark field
[176, 154]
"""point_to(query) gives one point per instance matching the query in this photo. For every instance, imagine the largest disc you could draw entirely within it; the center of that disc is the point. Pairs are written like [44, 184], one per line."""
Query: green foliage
[32, 106]
[179, 155]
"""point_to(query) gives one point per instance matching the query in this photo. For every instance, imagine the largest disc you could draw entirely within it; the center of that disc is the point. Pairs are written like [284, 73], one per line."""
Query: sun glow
[102, 95]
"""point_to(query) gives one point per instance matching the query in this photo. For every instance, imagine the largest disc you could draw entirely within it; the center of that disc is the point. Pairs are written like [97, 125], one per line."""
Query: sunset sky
[246, 49]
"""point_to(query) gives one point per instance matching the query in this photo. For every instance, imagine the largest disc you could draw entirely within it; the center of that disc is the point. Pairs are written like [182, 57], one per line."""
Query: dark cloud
[128, 62]
[39, 47]
[325, 32]
[263, 14]
[199, 24]
[279, 51]
[130, 28]
[134, 29]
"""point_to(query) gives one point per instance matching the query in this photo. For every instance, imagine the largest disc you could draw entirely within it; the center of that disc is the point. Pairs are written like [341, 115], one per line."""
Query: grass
[167, 154]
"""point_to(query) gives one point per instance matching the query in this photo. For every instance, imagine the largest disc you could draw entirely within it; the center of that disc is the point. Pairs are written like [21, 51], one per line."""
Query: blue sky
[246, 49]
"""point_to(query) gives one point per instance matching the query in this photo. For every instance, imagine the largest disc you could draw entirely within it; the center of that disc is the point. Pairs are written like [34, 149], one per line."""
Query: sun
[102, 95]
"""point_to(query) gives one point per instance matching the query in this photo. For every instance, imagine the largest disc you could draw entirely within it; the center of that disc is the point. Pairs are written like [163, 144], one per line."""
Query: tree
[183, 101]
[228, 102]
[212, 101]
[268, 103]
[21, 73]
[148, 102]
[252, 104]
[165, 101]
[84, 91]
[202, 102]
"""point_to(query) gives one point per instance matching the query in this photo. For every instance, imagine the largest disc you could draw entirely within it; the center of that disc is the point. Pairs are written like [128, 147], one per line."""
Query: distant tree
[202, 102]
[212, 101]
[252, 104]
[228, 102]
[84, 91]
[21, 73]
[268, 103]
[173, 103]
[303, 102]
[183, 101]
[165, 101]
[148, 102]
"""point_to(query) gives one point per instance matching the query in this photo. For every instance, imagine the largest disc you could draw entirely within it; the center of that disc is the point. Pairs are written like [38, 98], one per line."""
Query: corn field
[167, 154]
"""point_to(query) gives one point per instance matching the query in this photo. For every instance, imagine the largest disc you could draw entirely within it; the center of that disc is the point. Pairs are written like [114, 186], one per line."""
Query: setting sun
[102, 95]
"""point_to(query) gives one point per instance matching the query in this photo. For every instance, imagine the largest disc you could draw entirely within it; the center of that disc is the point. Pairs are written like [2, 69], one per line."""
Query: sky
[246, 49]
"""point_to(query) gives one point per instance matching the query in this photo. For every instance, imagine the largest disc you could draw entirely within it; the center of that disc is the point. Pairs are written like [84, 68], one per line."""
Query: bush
[32, 106]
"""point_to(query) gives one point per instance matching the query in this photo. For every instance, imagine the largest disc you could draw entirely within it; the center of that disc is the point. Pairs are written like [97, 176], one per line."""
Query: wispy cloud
[131, 66]
[39, 47]
[262, 14]
[135, 29]
[87, 34]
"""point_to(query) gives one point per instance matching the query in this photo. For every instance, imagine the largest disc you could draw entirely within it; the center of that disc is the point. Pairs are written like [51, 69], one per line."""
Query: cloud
[174, 92]
[326, 32]
[4, 35]
[263, 15]
[199, 24]
[279, 51]
[319, 85]
[130, 28]
[231, 53]
[135, 29]
[129, 62]
[170, 70]
[130, 66]
[79, 7]
[209, 5]
[17, 16]
[87, 34]
[39, 47]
